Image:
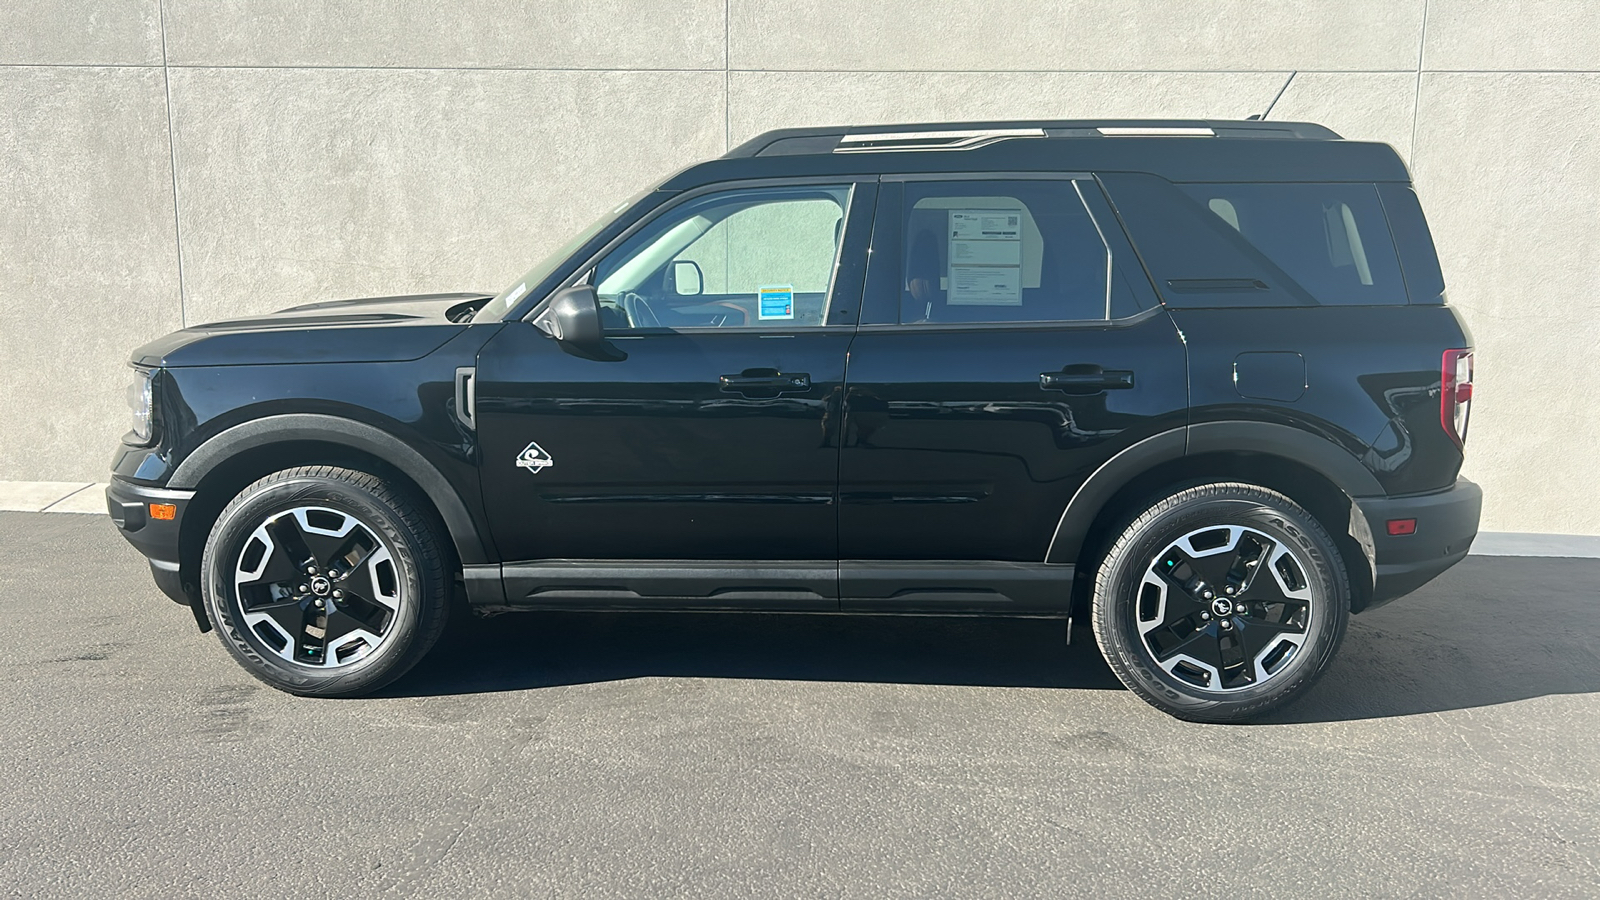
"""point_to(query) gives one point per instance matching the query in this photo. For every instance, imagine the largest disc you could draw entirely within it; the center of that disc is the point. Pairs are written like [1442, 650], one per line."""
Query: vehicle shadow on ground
[1493, 630]
[541, 649]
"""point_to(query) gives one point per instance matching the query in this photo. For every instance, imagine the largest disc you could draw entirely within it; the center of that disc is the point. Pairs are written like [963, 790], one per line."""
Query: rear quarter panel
[1372, 380]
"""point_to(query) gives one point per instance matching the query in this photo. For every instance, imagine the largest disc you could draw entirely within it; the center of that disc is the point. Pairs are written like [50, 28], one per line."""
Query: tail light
[1455, 395]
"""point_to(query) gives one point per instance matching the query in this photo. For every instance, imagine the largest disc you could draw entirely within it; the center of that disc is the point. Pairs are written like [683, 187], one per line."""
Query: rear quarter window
[1332, 240]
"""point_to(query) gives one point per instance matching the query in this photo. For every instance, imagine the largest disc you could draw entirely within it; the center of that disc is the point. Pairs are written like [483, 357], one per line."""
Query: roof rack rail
[1154, 131]
[972, 135]
[965, 139]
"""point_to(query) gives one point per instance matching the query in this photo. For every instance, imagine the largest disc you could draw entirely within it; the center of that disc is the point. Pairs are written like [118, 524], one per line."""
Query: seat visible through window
[1001, 252]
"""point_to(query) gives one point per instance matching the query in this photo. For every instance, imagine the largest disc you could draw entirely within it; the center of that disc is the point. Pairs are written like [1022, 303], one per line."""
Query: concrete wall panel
[304, 185]
[1472, 35]
[88, 259]
[758, 101]
[586, 34]
[1083, 36]
[80, 32]
[331, 149]
[1512, 206]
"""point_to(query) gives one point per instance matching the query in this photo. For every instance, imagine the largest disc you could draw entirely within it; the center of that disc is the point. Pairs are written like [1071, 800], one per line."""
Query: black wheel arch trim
[1268, 438]
[289, 427]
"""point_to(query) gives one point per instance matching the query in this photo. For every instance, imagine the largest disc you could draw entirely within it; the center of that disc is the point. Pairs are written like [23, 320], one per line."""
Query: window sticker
[986, 253]
[775, 301]
[985, 285]
[985, 225]
[985, 257]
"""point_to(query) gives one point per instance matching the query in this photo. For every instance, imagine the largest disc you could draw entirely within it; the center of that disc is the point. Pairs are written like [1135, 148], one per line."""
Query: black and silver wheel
[1221, 602]
[325, 581]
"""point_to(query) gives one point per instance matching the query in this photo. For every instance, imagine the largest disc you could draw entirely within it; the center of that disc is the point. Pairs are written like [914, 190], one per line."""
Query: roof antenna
[1262, 117]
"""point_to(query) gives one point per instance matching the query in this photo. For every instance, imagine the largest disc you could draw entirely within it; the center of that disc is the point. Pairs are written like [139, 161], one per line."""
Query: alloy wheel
[1225, 608]
[318, 587]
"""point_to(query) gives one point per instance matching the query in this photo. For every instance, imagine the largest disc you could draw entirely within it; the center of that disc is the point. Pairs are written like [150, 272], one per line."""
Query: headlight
[141, 401]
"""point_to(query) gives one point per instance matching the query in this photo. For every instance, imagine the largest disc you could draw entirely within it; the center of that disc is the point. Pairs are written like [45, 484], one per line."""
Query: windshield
[506, 299]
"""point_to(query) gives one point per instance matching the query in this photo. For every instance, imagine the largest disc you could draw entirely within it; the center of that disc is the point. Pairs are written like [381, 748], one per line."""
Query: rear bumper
[129, 506]
[1447, 522]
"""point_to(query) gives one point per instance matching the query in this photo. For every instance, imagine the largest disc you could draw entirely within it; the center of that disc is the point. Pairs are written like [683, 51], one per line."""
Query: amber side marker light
[166, 512]
[1398, 527]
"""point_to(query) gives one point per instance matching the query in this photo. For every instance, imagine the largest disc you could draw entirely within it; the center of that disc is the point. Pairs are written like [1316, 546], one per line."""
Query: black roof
[1181, 150]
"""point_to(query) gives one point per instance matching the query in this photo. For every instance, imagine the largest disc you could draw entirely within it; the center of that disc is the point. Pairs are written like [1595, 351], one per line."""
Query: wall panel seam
[1416, 90]
[348, 68]
[172, 165]
[17, 65]
[727, 75]
[738, 71]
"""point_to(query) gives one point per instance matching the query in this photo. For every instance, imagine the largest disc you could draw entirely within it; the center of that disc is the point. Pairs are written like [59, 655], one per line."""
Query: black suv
[1196, 378]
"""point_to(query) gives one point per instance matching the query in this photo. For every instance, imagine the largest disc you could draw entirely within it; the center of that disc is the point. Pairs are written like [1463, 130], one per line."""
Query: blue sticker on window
[776, 301]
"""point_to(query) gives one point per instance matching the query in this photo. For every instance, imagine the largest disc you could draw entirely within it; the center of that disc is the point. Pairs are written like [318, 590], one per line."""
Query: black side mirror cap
[572, 316]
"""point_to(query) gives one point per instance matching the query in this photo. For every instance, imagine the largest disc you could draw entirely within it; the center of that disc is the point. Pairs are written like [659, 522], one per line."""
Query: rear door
[693, 460]
[1010, 344]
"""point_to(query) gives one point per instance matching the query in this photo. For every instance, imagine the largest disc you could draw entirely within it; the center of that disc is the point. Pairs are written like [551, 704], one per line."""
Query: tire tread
[430, 563]
[1221, 711]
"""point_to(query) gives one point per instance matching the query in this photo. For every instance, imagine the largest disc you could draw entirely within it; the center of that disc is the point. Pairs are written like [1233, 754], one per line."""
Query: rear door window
[1332, 239]
[1006, 251]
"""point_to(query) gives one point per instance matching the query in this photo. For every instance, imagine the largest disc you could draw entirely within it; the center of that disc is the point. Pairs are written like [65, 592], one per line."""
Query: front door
[1010, 345]
[693, 460]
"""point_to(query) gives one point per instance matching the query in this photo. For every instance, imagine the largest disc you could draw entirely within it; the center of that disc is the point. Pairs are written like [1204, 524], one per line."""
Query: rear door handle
[765, 380]
[1086, 382]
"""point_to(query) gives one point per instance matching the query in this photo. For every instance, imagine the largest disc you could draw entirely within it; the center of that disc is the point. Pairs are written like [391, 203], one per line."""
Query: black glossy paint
[380, 329]
[653, 457]
[1371, 380]
[954, 450]
[928, 467]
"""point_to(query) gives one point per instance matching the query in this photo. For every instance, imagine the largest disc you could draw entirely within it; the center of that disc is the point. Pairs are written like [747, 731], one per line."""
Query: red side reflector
[1398, 527]
[167, 512]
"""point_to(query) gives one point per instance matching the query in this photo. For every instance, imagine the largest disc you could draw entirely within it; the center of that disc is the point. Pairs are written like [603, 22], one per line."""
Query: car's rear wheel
[1221, 602]
[325, 581]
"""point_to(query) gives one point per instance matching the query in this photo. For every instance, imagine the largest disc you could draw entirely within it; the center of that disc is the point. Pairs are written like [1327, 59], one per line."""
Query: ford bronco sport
[1196, 378]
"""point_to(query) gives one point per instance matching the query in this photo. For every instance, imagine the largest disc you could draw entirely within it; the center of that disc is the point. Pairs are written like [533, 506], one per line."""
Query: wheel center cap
[1221, 607]
[321, 586]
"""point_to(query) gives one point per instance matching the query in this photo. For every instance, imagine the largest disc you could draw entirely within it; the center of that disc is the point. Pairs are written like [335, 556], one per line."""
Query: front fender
[465, 531]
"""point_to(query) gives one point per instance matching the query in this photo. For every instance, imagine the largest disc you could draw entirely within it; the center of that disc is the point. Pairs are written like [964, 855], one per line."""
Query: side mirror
[573, 316]
[687, 279]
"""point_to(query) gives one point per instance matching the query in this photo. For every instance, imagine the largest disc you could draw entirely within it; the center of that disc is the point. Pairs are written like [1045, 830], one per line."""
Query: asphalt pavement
[1453, 750]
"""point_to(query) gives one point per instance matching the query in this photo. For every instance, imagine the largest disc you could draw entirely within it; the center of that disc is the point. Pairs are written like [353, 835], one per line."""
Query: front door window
[759, 258]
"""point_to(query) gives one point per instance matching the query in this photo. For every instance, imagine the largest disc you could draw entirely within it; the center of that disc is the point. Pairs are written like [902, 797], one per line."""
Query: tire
[1190, 624]
[325, 581]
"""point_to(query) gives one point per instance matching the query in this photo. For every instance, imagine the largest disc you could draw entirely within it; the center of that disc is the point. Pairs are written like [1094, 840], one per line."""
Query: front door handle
[765, 381]
[1086, 382]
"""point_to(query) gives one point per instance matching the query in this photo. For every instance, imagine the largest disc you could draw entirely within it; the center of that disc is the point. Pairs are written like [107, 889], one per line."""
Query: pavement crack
[437, 841]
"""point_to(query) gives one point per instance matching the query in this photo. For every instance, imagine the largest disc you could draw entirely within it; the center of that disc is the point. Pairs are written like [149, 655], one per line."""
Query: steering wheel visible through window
[758, 257]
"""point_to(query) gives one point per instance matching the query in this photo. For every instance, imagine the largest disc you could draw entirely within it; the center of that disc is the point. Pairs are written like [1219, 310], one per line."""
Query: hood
[377, 329]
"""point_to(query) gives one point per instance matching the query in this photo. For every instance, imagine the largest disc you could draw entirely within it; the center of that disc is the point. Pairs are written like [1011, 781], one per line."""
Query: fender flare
[224, 445]
[1318, 453]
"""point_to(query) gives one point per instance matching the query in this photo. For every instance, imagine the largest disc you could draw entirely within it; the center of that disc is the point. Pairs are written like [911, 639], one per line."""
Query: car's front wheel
[325, 581]
[1221, 602]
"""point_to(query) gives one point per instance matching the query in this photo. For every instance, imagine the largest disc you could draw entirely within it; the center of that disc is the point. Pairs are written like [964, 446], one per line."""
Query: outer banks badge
[533, 458]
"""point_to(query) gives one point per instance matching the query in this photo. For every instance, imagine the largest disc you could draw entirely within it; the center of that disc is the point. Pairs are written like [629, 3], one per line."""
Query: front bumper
[1447, 521]
[129, 506]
